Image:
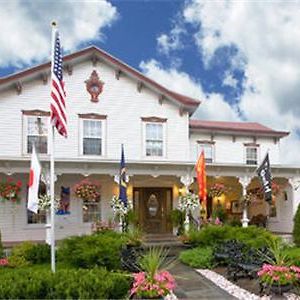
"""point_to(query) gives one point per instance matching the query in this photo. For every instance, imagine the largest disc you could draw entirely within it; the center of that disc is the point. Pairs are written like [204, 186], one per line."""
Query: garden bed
[243, 289]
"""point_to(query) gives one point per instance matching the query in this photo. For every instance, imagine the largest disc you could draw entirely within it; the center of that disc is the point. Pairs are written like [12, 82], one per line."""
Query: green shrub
[198, 257]
[29, 253]
[41, 283]
[177, 218]
[211, 235]
[98, 250]
[296, 229]
[293, 255]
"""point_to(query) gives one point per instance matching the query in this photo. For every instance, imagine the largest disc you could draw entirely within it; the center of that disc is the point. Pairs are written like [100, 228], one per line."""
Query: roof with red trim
[240, 127]
[188, 103]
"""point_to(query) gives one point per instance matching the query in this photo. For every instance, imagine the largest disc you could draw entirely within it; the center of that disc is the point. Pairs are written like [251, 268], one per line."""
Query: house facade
[110, 104]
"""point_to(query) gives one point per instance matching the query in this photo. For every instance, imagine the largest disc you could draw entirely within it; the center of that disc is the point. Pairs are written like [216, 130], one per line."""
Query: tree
[296, 230]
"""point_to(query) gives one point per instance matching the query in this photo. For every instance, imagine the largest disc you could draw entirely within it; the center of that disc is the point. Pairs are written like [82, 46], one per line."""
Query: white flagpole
[51, 146]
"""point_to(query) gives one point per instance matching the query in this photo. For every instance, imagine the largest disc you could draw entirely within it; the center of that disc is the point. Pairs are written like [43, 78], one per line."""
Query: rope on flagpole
[51, 146]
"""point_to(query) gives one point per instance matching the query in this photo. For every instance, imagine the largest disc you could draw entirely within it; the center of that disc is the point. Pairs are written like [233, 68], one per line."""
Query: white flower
[118, 206]
[45, 202]
[188, 202]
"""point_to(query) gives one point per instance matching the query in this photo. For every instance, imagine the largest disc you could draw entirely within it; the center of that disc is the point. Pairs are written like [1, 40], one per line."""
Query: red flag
[201, 178]
[58, 94]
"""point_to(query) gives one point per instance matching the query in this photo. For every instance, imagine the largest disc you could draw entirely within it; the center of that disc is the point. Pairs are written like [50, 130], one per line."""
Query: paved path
[192, 285]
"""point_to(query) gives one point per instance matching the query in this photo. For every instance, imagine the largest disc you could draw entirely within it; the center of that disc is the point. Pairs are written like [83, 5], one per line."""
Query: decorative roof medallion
[94, 86]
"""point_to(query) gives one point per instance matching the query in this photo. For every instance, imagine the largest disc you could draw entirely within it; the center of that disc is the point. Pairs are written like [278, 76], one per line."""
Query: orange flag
[201, 178]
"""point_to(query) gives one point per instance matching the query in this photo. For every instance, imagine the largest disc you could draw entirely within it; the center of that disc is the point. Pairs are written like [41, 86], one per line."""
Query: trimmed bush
[98, 250]
[211, 235]
[198, 257]
[41, 283]
[296, 229]
[29, 253]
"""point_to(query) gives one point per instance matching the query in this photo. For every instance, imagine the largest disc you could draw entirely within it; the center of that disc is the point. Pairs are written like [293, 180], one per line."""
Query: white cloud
[267, 37]
[213, 106]
[25, 34]
[229, 80]
[170, 41]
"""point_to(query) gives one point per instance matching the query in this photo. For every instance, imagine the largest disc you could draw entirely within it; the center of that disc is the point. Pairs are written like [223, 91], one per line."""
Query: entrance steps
[169, 242]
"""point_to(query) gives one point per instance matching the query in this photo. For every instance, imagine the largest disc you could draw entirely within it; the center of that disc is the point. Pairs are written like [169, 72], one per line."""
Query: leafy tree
[296, 230]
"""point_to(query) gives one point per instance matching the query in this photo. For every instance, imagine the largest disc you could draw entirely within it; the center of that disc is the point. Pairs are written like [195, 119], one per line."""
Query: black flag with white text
[264, 173]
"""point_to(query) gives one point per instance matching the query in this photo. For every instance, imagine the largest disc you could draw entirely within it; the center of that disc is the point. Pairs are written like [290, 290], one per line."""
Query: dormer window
[208, 148]
[251, 154]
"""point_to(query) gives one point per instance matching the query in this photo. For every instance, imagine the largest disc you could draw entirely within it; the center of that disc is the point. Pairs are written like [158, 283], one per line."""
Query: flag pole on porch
[58, 119]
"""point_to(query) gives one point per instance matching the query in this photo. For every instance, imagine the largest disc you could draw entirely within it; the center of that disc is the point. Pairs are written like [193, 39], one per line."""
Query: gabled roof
[92, 52]
[235, 127]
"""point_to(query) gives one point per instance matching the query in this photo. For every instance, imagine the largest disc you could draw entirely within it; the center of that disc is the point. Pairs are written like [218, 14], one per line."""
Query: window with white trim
[36, 133]
[91, 211]
[92, 137]
[208, 149]
[154, 139]
[251, 155]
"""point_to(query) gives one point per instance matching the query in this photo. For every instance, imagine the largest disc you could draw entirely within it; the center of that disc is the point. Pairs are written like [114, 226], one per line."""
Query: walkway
[191, 285]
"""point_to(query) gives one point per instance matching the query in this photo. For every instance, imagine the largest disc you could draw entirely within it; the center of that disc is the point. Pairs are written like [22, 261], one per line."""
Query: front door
[153, 206]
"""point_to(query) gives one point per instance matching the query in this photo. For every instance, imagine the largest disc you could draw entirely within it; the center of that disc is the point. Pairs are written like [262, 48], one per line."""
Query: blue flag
[122, 179]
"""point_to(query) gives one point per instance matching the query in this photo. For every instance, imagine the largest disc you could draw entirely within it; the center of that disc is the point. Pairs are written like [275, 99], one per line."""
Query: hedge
[98, 250]
[198, 257]
[211, 235]
[41, 283]
[296, 229]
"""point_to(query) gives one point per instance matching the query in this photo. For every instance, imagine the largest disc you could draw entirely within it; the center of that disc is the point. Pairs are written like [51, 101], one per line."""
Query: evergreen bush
[41, 283]
[200, 257]
[98, 250]
[29, 253]
[211, 235]
[296, 229]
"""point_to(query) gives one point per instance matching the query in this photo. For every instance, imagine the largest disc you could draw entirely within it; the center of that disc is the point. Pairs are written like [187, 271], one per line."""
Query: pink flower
[3, 262]
[276, 278]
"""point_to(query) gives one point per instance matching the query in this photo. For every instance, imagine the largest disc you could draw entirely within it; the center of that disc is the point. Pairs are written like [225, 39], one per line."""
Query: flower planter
[280, 289]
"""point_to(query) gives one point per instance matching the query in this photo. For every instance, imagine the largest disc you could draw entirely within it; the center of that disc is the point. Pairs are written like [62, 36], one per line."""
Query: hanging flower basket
[217, 189]
[188, 202]
[87, 190]
[10, 190]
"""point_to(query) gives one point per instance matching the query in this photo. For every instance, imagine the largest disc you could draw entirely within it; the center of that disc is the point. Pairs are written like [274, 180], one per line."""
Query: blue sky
[241, 58]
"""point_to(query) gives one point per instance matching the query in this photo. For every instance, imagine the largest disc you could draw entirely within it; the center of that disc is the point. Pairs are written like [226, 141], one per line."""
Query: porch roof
[11, 165]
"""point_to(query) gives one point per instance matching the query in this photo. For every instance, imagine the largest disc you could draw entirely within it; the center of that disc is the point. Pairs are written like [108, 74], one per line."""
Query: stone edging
[235, 290]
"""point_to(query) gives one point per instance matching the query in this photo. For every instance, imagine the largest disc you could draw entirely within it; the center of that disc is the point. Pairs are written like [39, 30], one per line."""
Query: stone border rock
[235, 290]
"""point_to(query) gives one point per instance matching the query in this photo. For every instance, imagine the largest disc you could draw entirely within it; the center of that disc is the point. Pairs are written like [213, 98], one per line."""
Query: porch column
[244, 181]
[295, 184]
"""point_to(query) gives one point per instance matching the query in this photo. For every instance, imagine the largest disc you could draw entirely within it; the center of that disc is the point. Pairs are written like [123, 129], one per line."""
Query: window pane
[251, 155]
[208, 152]
[154, 139]
[40, 143]
[91, 211]
[37, 126]
[91, 128]
[92, 146]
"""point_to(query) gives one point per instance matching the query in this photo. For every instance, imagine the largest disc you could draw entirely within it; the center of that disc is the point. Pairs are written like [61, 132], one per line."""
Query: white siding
[120, 101]
[233, 152]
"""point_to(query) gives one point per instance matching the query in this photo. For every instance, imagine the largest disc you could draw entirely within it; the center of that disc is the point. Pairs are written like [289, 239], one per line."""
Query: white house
[109, 104]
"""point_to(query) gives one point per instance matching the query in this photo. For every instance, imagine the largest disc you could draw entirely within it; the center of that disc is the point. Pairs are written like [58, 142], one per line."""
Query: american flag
[58, 94]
